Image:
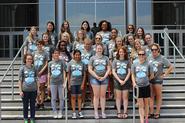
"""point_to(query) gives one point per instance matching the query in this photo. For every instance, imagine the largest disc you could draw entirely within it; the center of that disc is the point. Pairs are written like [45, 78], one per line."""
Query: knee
[96, 96]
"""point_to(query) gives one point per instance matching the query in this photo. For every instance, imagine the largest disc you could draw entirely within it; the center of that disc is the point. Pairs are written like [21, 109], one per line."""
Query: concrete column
[60, 13]
[130, 7]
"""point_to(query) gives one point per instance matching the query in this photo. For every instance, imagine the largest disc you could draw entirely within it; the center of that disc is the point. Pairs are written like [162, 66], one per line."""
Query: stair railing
[11, 66]
[167, 39]
[135, 97]
[66, 104]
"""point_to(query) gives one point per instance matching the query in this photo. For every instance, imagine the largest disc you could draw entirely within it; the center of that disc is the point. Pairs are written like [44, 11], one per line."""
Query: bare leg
[141, 109]
[103, 89]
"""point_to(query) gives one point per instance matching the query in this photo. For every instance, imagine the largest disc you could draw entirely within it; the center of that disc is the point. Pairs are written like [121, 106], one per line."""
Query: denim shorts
[94, 81]
[76, 90]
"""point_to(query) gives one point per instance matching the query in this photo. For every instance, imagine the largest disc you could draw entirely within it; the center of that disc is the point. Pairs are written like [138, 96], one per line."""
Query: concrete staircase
[172, 110]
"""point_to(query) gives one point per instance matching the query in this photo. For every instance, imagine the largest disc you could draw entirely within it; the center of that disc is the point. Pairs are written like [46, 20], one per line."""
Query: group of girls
[101, 61]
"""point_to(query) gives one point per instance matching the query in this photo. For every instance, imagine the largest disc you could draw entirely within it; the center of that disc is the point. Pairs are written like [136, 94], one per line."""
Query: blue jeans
[29, 97]
[57, 89]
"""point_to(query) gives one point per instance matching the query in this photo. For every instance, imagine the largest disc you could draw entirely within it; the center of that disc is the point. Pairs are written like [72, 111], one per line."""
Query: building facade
[153, 15]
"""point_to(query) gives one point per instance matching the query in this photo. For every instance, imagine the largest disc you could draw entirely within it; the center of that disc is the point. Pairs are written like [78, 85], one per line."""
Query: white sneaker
[80, 114]
[104, 115]
[60, 114]
[55, 115]
[74, 115]
[96, 116]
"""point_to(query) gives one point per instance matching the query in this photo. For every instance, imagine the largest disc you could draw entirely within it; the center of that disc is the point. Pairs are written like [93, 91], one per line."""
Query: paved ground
[168, 120]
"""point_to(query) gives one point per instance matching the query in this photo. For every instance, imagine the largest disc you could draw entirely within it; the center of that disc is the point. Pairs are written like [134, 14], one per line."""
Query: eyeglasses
[98, 38]
[141, 54]
[63, 45]
[130, 28]
[154, 49]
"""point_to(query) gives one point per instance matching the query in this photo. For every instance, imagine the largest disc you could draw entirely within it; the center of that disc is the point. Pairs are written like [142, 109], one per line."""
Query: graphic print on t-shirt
[141, 71]
[32, 47]
[155, 66]
[29, 77]
[38, 60]
[76, 70]
[55, 70]
[121, 68]
[100, 65]
[85, 58]
[47, 49]
[105, 38]
[79, 46]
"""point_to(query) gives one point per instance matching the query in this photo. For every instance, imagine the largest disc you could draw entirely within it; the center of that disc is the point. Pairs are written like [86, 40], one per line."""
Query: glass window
[113, 12]
[144, 13]
[11, 17]
[76, 13]
[46, 14]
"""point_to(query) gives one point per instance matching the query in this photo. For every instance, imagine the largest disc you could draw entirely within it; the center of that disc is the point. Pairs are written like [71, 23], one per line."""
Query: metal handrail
[174, 45]
[134, 98]
[66, 104]
[167, 37]
[12, 81]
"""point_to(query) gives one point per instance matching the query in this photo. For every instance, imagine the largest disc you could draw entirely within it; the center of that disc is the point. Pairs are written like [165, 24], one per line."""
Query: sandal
[119, 115]
[156, 116]
[150, 115]
[125, 115]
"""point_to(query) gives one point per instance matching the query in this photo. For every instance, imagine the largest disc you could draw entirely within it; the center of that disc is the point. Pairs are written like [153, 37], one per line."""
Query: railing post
[66, 105]
[166, 44]
[134, 107]
[12, 82]
[134, 110]
[0, 99]
[174, 62]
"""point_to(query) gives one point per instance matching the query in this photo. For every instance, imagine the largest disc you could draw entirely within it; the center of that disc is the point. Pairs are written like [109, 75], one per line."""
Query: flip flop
[156, 116]
[119, 115]
[150, 115]
[125, 115]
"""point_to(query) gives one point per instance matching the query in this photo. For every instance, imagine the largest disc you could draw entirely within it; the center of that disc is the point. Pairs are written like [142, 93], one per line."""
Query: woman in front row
[76, 80]
[158, 62]
[99, 68]
[28, 87]
[121, 73]
[142, 73]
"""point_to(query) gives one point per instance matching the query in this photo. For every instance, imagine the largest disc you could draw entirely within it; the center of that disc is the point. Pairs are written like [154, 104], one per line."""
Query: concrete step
[166, 96]
[90, 113]
[8, 79]
[109, 102]
[168, 86]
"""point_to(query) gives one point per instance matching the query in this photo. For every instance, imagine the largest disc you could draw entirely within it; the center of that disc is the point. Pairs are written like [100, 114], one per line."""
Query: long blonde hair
[31, 36]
